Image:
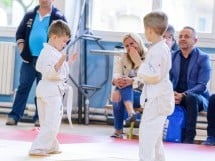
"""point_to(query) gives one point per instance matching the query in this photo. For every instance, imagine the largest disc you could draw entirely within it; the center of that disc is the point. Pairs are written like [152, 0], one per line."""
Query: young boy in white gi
[50, 90]
[157, 96]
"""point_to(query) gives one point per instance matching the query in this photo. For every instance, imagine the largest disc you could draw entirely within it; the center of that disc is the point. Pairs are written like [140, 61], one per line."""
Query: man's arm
[203, 77]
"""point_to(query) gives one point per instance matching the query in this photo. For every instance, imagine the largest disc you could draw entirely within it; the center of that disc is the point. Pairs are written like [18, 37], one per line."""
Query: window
[12, 11]
[119, 15]
[198, 14]
[127, 15]
[111, 18]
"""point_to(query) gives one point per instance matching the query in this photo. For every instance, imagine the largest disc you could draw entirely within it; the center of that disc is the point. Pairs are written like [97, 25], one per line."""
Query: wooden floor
[89, 143]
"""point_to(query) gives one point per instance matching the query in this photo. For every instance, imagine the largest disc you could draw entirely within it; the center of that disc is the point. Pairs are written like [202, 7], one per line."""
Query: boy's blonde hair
[156, 20]
[59, 28]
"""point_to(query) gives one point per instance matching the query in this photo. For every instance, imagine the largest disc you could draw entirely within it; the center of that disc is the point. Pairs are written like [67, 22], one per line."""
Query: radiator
[7, 62]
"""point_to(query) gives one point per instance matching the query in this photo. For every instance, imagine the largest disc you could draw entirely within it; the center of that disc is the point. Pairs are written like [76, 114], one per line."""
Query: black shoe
[10, 121]
[210, 141]
[131, 118]
[188, 141]
[117, 135]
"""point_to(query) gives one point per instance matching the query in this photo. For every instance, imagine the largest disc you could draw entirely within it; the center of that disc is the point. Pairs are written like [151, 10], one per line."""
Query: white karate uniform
[49, 92]
[157, 99]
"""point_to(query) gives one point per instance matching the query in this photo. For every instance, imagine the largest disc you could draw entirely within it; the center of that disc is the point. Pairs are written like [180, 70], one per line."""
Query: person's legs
[211, 122]
[41, 110]
[27, 77]
[136, 99]
[50, 120]
[136, 103]
[193, 104]
[159, 150]
[38, 78]
[127, 98]
[118, 113]
[41, 113]
[211, 116]
[127, 95]
[150, 134]
[123, 99]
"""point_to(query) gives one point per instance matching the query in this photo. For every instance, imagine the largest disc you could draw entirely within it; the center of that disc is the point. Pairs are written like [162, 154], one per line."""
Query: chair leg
[87, 102]
[131, 130]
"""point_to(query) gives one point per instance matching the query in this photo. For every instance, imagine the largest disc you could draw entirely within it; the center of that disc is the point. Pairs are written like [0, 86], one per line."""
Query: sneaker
[210, 141]
[37, 123]
[11, 121]
[188, 141]
[117, 135]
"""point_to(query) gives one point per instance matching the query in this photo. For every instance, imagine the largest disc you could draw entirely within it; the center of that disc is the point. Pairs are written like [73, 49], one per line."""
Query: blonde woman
[127, 91]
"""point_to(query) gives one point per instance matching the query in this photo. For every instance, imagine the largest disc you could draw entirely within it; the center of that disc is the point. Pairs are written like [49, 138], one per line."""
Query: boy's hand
[73, 57]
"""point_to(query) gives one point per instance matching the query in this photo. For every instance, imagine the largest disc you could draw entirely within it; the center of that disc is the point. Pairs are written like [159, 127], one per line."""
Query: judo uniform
[50, 92]
[157, 98]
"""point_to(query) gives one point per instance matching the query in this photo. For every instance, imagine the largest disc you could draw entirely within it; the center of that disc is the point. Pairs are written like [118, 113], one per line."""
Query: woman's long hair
[141, 47]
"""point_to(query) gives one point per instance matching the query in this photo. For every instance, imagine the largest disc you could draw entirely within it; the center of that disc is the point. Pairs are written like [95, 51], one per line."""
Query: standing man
[190, 74]
[30, 36]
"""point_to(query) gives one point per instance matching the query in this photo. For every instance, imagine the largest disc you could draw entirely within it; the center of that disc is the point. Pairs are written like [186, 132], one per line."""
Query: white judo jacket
[53, 83]
[154, 73]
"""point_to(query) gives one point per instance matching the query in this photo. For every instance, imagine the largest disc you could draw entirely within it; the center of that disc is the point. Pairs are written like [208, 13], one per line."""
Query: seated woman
[169, 35]
[126, 95]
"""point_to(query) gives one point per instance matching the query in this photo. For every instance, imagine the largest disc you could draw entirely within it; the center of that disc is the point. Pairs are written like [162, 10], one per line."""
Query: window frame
[7, 31]
[10, 31]
[205, 39]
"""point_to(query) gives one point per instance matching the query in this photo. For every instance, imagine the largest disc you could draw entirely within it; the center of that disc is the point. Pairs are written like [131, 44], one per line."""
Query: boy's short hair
[59, 28]
[157, 20]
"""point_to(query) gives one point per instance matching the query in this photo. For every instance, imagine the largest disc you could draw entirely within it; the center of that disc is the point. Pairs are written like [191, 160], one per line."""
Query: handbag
[174, 125]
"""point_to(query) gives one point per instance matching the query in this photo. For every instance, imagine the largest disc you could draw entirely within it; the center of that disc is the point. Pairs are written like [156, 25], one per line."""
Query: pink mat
[174, 151]
[64, 138]
[29, 135]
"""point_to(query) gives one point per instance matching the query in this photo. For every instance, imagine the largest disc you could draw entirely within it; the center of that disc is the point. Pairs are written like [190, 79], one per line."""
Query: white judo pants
[50, 110]
[150, 134]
